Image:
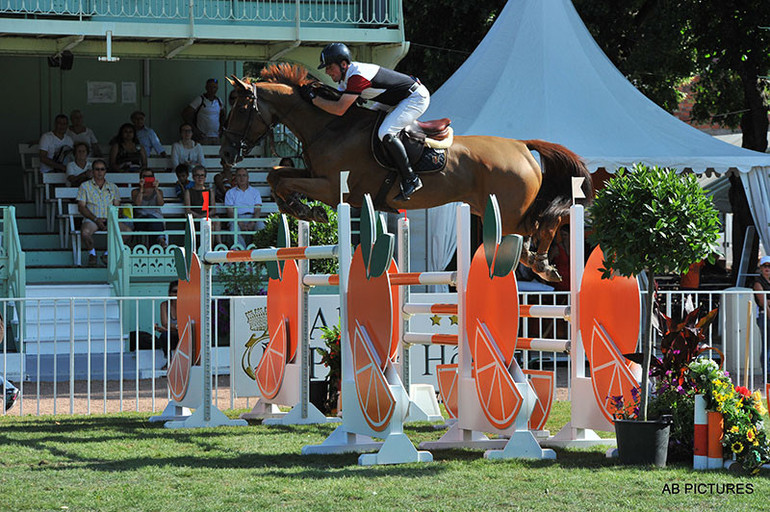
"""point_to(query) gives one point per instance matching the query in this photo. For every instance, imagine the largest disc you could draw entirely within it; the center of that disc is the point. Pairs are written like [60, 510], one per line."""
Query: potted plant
[331, 357]
[652, 221]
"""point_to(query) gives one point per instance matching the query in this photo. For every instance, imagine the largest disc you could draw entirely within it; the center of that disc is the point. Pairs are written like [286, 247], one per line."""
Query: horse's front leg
[290, 185]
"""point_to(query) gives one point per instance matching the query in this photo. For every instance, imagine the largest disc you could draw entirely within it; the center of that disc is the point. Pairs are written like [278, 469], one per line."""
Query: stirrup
[409, 188]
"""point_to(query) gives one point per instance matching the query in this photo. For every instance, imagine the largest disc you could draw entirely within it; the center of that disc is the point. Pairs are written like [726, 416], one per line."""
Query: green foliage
[320, 234]
[331, 357]
[653, 219]
[242, 279]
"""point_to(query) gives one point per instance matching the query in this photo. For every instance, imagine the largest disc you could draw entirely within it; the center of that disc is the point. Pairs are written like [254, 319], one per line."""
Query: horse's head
[249, 120]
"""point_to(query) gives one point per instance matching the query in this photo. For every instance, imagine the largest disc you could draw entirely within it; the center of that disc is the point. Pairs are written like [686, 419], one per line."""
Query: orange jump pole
[701, 437]
[716, 425]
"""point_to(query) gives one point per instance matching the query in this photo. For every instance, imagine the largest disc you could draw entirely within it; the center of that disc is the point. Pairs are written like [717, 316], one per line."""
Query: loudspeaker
[66, 60]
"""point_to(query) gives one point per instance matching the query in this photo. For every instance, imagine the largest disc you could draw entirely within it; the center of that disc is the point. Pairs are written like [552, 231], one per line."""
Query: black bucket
[643, 442]
[319, 391]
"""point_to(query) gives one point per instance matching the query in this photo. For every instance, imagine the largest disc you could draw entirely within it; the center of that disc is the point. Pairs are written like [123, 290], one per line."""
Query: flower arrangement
[331, 357]
[624, 411]
[744, 435]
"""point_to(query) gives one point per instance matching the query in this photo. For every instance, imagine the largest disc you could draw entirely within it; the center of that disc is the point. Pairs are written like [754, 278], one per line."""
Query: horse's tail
[554, 198]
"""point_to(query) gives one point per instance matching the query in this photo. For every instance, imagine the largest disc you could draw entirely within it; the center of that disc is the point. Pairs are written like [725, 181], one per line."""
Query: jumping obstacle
[283, 373]
[189, 373]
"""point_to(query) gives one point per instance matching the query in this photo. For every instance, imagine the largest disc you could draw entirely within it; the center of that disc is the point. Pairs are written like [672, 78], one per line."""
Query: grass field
[123, 462]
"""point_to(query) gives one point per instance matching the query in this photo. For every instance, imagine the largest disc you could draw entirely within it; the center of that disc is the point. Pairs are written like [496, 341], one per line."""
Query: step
[52, 274]
[79, 346]
[80, 364]
[31, 224]
[32, 241]
[50, 329]
[14, 362]
[49, 309]
[24, 209]
[49, 257]
[87, 290]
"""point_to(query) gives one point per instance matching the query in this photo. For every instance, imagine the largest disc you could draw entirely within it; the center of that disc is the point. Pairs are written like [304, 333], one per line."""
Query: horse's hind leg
[542, 266]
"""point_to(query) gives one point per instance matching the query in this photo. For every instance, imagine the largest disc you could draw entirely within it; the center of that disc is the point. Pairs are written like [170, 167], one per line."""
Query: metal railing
[358, 12]
[13, 266]
[78, 357]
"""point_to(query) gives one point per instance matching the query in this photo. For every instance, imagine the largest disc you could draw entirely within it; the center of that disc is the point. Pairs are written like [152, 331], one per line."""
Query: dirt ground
[136, 396]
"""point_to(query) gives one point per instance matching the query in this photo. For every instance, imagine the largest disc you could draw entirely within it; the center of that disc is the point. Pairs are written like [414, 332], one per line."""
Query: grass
[123, 462]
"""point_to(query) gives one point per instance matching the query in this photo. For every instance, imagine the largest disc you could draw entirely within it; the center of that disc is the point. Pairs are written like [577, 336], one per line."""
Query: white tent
[538, 74]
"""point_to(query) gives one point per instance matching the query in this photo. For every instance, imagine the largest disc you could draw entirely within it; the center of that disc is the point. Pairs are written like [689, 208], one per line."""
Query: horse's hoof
[318, 214]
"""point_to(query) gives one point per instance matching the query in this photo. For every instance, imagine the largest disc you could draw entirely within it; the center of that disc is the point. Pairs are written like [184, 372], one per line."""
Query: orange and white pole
[700, 445]
[716, 425]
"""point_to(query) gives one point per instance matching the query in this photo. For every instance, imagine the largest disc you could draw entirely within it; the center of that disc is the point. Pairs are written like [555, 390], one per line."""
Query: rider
[403, 97]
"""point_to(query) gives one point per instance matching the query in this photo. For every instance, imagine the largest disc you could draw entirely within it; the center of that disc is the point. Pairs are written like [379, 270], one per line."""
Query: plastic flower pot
[643, 443]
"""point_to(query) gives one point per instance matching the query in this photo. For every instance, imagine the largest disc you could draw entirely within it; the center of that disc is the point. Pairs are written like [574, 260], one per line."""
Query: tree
[652, 221]
[443, 34]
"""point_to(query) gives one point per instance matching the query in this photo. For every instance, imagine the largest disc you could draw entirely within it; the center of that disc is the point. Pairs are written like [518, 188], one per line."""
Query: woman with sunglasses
[146, 198]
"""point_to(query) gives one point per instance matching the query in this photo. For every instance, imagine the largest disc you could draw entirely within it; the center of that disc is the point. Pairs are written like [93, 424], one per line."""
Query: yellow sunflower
[734, 429]
[751, 435]
[737, 447]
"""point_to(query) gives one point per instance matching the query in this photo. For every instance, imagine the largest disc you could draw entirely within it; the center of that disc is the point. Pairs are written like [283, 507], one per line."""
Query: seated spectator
[186, 151]
[126, 154]
[183, 182]
[79, 170]
[148, 194]
[168, 333]
[244, 202]
[95, 197]
[223, 181]
[56, 147]
[193, 196]
[146, 135]
[79, 132]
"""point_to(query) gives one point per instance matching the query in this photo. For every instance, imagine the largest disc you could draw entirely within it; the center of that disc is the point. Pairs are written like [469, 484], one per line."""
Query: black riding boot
[410, 182]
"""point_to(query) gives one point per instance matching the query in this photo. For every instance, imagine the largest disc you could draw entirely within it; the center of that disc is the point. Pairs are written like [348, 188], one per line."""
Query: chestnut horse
[534, 202]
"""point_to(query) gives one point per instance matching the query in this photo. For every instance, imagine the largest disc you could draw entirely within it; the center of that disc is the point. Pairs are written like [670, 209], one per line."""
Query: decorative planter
[318, 394]
[643, 442]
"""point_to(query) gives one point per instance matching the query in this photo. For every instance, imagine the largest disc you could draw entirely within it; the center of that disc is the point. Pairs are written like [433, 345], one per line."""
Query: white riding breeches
[402, 115]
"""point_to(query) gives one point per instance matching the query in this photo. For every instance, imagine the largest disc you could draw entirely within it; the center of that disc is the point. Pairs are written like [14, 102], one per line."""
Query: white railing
[77, 357]
[358, 12]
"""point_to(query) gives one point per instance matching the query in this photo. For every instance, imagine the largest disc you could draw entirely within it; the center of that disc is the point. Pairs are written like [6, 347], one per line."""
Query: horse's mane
[285, 73]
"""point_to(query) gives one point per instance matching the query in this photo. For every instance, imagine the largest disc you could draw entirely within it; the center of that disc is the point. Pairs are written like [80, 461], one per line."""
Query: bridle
[243, 146]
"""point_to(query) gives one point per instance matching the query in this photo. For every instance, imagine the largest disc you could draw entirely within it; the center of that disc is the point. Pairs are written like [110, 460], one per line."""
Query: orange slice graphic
[270, 370]
[372, 390]
[446, 374]
[614, 303]
[283, 303]
[373, 302]
[495, 302]
[542, 382]
[188, 305]
[179, 369]
[499, 399]
[610, 376]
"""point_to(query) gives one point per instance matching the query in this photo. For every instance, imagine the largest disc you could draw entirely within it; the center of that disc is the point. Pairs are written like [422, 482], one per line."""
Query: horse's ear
[230, 79]
[246, 85]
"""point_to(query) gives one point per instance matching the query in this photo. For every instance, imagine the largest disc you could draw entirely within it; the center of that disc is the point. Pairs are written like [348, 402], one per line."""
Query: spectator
[95, 197]
[10, 393]
[56, 146]
[79, 132]
[79, 170]
[244, 201]
[126, 154]
[193, 196]
[206, 115]
[286, 162]
[146, 135]
[762, 285]
[223, 181]
[186, 151]
[146, 195]
[168, 333]
[183, 182]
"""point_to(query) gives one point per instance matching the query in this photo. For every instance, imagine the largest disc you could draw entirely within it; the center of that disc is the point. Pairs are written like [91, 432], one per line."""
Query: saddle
[426, 144]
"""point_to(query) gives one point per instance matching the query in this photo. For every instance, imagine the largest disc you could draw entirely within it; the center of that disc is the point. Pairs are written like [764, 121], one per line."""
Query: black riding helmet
[335, 53]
